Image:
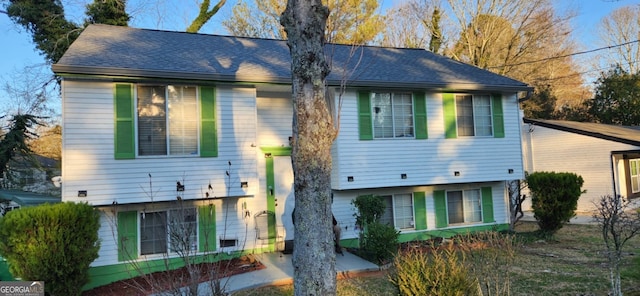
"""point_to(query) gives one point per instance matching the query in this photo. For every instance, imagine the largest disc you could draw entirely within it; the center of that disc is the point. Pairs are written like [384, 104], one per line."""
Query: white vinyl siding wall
[88, 153]
[381, 162]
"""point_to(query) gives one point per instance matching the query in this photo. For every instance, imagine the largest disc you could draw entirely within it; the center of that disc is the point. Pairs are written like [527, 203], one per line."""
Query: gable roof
[124, 51]
[616, 133]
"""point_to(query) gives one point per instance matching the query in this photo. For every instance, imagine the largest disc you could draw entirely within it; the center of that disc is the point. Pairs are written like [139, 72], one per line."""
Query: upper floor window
[392, 115]
[155, 120]
[398, 211]
[469, 115]
[167, 120]
[473, 114]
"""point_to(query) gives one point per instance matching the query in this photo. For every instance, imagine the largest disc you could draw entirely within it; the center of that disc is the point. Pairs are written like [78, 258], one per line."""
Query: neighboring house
[143, 110]
[606, 156]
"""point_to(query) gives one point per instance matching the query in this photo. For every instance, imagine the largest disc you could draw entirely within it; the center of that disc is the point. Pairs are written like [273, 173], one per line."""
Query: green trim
[207, 228]
[365, 120]
[449, 109]
[440, 203]
[124, 129]
[429, 234]
[127, 235]
[103, 275]
[208, 128]
[487, 205]
[277, 151]
[498, 116]
[419, 210]
[420, 115]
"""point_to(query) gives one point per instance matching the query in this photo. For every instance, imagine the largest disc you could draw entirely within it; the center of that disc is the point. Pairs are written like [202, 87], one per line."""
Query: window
[634, 173]
[464, 206]
[398, 211]
[392, 115]
[473, 115]
[167, 120]
[174, 230]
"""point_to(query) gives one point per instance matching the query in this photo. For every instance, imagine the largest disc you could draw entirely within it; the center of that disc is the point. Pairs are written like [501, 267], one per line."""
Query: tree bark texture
[313, 135]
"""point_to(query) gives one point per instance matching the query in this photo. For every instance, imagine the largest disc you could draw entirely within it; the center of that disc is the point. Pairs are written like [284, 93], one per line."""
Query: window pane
[482, 115]
[454, 207]
[387, 217]
[472, 206]
[183, 230]
[152, 122]
[403, 115]
[403, 211]
[464, 115]
[382, 116]
[153, 233]
[183, 120]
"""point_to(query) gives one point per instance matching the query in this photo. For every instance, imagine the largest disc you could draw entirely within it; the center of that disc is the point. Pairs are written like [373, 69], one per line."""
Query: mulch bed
[144, 285]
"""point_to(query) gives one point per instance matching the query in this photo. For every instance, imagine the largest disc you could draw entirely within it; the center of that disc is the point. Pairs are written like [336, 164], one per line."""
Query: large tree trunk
[313, 135]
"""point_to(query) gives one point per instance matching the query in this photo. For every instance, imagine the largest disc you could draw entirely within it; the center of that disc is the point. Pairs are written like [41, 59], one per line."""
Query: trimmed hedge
[51, 243]
[554, 198]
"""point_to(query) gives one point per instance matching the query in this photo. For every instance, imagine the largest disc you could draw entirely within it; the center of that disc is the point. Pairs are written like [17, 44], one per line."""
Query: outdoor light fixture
[82, 193]
[244, 184]
[403, 176]
[456, 173]
[510, 171]
[350, 179]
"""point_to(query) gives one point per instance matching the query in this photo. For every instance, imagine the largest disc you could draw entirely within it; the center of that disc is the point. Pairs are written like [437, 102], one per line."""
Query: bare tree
[622, 26]
[313, 134]
[618, 225]
[516, 198]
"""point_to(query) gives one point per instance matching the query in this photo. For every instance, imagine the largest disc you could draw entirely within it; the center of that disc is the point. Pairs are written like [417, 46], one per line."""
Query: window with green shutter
[127, 235]
[449, 109]
[365, 127]
[498, 116]
[209, 132]
[420, 115]
[473, 115]
[392, 115]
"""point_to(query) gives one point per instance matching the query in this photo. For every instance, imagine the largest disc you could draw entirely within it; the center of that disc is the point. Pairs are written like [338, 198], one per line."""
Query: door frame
[269, 153]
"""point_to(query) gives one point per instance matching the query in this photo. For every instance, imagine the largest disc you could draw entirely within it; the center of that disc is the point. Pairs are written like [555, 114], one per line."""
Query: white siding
[558, 151]
[380, 162]
[275, 115]
[88, 152]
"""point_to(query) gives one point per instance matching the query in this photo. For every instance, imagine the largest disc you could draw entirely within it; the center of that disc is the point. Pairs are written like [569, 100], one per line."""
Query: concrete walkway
[279, 271]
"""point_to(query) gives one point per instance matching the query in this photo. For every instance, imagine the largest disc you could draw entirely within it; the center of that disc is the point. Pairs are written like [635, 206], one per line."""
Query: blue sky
[18, 51]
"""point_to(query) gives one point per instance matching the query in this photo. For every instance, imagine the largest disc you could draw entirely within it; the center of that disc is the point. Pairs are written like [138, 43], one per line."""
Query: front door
[280, 197]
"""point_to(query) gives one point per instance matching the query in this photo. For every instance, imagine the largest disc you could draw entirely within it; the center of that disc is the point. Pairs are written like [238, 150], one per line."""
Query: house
[606, 156]
[194, 129]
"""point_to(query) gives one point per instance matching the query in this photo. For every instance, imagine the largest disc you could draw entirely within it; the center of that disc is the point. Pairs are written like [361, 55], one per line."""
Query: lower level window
[173, 230]
[398, 211]
[464, 206]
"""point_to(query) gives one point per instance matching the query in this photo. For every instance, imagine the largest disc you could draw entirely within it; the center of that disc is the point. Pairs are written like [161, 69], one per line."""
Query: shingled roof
[128, 52]
[616, 133]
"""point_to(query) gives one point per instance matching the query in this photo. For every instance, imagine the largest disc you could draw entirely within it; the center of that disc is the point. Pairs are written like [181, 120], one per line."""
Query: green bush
[51, 243]
[441, 271]
[554, 198]
[380, 242]
[370, 209]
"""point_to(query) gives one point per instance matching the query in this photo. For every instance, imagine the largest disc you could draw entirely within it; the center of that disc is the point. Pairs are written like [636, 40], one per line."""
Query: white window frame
[169, 128]
[634, 179]
[476, 118]
[402, 125]
[396, 214]
[168, 247]
[467, 213]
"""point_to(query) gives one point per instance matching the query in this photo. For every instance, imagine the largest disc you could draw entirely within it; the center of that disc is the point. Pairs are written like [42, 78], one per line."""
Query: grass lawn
[572, 262]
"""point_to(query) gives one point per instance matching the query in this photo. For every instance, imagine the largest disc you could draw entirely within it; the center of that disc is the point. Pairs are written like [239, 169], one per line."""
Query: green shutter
[498, 116]
[207, 228]
[124, 142]
[420, 210]
[420, 115]
[208, 130]
[440, 203]
[487, 205]
[127, 235]
[365, 125]
[449, 109]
